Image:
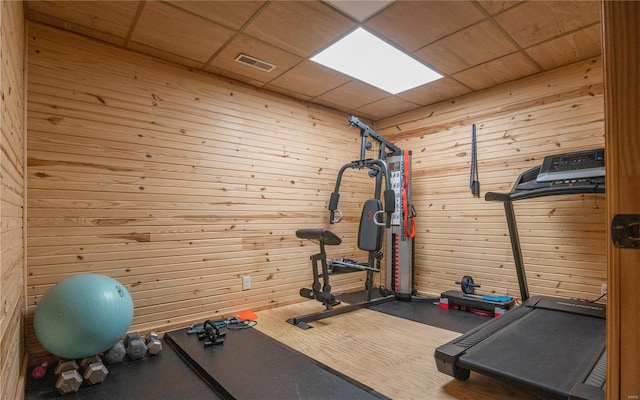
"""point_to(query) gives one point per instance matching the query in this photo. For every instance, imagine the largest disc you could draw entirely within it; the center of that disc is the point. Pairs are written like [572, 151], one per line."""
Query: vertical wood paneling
[176, 183]
[563, 238]
[12, 131]
[622, 99]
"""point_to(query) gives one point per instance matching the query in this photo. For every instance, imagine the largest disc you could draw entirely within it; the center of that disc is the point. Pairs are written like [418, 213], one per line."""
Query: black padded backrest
[319, 234]
[370, 234]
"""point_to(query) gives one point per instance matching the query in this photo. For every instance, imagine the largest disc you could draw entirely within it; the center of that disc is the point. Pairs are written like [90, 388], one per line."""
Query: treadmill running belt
[551, 350]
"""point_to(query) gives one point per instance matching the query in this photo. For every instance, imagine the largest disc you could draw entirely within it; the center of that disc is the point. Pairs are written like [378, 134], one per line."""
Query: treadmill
[556, 346]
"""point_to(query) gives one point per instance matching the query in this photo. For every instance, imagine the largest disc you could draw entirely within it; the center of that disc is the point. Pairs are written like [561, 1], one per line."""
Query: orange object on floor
[248, 315]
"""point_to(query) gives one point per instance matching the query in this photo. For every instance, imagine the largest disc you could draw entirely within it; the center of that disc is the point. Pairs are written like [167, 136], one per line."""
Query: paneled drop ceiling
[474, 44]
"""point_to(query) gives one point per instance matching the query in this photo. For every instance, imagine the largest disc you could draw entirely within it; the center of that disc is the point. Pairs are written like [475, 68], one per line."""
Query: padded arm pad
[389, 201]
[320, 234]
[333, 201]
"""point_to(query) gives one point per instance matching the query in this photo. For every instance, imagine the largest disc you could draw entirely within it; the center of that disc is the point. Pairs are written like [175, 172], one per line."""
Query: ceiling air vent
[254, 62]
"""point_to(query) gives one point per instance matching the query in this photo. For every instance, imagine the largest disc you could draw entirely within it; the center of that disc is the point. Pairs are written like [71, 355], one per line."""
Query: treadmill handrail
[542, 192]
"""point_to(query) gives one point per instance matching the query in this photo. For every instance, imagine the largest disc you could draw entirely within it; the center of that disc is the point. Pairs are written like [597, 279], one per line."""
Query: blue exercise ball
[83, 315]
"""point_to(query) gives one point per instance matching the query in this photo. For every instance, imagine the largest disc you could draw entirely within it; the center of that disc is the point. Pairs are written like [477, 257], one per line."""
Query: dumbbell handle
[474, 285]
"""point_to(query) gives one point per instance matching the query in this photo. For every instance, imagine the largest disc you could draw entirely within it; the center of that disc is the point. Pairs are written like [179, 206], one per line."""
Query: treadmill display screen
[577, 161]
[583, 164]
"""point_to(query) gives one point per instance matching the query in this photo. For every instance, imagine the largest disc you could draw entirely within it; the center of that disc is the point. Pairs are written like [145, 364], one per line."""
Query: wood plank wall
[176, 183]
[12, 137]
[563, 238]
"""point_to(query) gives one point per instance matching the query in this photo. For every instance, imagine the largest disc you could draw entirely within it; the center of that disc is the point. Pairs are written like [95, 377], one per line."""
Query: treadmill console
[572, 167]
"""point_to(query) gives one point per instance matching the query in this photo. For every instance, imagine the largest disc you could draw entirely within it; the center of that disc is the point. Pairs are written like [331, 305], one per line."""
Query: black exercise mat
[426, 312]
[357, 297]
[251, 365]
[161, 377]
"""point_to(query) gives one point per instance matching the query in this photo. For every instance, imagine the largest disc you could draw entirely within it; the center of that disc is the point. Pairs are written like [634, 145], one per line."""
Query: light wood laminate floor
[392, 355]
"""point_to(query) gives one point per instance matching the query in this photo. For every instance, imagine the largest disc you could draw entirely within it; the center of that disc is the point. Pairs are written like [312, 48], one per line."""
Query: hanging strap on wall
[409, 219]
[474, 183]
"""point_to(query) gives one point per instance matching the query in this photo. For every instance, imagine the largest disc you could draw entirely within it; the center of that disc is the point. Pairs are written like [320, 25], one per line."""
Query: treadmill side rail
[446, 357]
[593, 386]
[583, 391]
[448, 354]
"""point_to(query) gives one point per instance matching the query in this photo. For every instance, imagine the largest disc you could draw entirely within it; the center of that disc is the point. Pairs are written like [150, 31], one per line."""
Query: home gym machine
[389, 211]
[557, 346]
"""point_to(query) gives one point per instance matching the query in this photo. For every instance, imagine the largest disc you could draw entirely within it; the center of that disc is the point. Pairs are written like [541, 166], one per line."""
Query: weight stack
[399, 247]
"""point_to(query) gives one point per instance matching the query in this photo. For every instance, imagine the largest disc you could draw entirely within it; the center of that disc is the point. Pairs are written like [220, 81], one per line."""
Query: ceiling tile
[250, 46]
[163, 55]
[97, 19]
[287, 92]
[362, 116]
[191, 37]
[493, 7]
[301, 27]
[310, 78]
[568, 49]
[498, 71]
[471, 46]
[353, 94]
[358, 9]
[533, 22]
[414, 24]
[387, 107]
[231, 74]
[227, 13]
[436, 91]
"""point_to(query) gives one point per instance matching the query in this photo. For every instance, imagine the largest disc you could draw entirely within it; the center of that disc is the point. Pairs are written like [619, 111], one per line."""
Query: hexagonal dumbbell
[154, 345]
[95, 373]
[115, 354]
[136, 348]
[84, 363]
[69, 379]
[65, 366]
[94, 370]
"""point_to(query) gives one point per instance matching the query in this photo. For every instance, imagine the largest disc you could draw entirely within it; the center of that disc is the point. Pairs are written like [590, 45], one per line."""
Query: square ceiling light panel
[360, 9]
[370, 59]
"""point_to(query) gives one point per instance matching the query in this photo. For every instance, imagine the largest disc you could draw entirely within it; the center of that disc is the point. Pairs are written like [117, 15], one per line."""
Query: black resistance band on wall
[474, 183]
